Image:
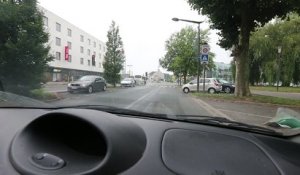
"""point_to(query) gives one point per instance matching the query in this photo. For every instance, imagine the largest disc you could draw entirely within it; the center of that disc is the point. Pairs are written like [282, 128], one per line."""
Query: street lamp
[198, 50]
[278, 66]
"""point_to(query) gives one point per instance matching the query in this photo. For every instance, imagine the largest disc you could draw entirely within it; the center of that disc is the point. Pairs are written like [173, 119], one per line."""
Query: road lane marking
[244, 113]
[213, 111]
[142, 98]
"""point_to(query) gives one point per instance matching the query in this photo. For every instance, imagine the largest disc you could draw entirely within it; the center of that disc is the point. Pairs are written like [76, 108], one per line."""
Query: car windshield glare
[222, 81]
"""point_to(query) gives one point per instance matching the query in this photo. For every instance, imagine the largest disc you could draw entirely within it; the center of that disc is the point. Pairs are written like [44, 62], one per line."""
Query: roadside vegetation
[115, 55]
[41, 94]
[181, 53]
[273, 89]
[253, 98]
[24, 52]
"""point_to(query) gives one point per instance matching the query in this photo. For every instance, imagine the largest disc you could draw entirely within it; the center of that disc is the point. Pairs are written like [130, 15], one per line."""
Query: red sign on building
[66, 53]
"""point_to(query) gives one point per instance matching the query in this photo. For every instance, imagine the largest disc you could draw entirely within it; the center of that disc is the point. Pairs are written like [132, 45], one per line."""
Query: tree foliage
[181, 55]
[23, 51]
[264, 55]
[114, 56]
[236, 19]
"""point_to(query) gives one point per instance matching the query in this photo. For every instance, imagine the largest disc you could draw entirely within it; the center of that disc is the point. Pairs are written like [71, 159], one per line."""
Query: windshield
[173, 68]
[222, 81]
[87, 78]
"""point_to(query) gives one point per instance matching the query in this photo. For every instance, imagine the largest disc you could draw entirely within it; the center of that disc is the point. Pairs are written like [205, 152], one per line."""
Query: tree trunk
[242, 58]
[184, 78]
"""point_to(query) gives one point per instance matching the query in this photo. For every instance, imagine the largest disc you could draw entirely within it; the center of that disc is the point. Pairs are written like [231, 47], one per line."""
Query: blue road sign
[204, 58]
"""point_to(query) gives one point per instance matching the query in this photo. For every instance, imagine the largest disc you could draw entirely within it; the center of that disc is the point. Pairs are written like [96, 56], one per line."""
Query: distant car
[128, 82]
[212, 85]
[227, 87]
[89, 83]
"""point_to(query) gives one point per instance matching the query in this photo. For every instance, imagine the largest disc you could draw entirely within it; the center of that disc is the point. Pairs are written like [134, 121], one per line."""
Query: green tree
[236, 19]
[181, 55]
[23, 51]
[114, 56]
[263, 50]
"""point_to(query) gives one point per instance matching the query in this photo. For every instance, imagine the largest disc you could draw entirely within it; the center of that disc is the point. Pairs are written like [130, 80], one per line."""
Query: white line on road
[141, 98]
[210, 109]
[244, 113]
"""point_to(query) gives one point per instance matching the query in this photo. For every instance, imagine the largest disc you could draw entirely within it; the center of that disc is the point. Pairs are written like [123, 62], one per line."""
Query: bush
[40, 94]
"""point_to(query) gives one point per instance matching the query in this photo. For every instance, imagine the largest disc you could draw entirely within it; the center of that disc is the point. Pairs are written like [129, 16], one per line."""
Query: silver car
[212, 85]
[128, 82]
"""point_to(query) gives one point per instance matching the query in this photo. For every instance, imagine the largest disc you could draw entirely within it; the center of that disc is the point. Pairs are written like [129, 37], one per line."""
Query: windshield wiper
[227, 123]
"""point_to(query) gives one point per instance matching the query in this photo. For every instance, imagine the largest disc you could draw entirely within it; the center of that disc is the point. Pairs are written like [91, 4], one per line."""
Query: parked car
[128, 82]
[89, 83]
[227, 87]
[212, 85]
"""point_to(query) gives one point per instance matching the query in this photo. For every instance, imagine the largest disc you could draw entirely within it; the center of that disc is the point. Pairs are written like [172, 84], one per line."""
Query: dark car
[89, 83]
[227, 87]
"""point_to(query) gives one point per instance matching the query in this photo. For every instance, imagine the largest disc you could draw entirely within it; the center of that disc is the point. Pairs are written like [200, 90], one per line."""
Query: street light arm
[185, 20]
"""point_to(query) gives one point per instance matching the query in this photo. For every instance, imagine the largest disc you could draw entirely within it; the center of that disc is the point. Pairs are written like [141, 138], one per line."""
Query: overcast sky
[145, 25]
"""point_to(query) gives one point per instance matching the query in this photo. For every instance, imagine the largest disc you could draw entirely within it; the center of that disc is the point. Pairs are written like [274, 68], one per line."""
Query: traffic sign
[204, 58]
[205, 49]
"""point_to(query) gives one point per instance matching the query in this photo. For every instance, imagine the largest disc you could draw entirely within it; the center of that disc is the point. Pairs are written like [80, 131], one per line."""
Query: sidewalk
[55, 87]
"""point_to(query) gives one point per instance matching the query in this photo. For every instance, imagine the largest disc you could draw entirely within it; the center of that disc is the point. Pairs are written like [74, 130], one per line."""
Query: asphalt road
[165, 98]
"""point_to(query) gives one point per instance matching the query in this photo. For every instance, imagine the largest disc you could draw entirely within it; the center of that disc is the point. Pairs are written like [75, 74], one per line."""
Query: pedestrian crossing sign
[204, 58]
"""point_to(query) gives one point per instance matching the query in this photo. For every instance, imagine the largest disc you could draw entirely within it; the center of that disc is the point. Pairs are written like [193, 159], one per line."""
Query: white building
[157, 76]
[74, 50]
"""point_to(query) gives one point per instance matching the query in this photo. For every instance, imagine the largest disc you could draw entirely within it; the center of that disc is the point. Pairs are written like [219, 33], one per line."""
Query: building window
[99, 56]
[103, 49]
[100, 65]
[45, 21]
[81, 49]
[69, 32]
[81, 60]
[58, 27]
[89, 41]
[89, 52]
[69, 45]
[81, 38]
[94, 44]
[100, 46]
[57, 55]
[58, 41]
[70, 58]
[89, 62]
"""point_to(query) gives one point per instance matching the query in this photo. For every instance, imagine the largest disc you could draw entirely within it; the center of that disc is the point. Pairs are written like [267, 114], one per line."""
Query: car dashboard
[83, 141]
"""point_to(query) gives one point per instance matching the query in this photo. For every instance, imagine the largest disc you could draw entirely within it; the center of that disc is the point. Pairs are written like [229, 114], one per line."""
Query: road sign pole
[204, 77]
[198, 54]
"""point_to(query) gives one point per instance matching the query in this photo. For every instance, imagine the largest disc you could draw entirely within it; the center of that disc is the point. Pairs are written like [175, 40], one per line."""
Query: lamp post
[198, 48]
[278, 67]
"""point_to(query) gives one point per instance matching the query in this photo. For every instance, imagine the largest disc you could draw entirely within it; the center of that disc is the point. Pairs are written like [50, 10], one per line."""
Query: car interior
[85, 141]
